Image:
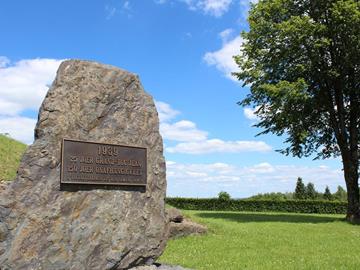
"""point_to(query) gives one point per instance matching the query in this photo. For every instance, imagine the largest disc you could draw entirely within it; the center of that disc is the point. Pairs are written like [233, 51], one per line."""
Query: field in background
[248, 240]
[11, 152]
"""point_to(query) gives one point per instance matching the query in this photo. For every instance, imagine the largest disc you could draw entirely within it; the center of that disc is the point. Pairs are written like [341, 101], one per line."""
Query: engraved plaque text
[89, 163]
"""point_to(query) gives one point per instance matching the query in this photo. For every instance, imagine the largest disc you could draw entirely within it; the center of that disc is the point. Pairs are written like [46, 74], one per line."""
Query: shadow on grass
[261, 217]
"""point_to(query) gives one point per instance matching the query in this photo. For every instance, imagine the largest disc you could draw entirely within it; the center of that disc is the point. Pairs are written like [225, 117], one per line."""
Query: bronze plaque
[90, 163]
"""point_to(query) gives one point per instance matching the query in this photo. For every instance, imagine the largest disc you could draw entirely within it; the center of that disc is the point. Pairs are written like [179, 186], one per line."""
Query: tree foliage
[272, 196]
[301, 59]
[223, 195]
[327, 194]
[340, 194]
[300, 192]
[310, 191]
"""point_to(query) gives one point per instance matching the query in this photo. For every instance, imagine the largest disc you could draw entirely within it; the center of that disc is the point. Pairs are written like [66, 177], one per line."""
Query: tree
[299, 190]
[224, 196]
[340, 194]
[327, 194]
[301, 60]
[310, 191]
[272, 196]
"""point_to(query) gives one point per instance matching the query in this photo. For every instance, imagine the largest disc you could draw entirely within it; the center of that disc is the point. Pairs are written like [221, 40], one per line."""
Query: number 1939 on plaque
[91, 163]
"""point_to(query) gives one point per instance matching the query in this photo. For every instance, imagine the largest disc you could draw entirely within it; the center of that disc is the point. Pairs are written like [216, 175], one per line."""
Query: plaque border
[86, 185]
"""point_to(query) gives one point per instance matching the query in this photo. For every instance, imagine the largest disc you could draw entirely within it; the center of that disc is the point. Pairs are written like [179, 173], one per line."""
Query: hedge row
[296, 206]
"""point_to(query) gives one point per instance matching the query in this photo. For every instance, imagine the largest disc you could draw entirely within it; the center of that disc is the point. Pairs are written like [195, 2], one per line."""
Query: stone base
[187, 227]
[159, 267]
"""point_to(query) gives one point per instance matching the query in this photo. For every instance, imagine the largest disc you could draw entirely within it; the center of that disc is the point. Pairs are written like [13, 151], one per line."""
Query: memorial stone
[116, 220]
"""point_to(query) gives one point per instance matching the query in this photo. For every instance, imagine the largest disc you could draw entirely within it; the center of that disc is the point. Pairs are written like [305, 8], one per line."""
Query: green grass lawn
[243, 240]
[11, 152]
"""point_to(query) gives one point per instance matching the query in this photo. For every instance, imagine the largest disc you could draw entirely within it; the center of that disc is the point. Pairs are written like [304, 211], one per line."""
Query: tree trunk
[351, 178]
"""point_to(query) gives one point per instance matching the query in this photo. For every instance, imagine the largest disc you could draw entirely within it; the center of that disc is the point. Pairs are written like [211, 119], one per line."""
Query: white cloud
[188, 35]
[169, 163]
[4, 61]
[165, 111]
[126, 5]
[209, 179]
[195, 141]
[214, 7]
[19, 128]
[9, 108]
[23, 86]
[219, 146]
[223, 59]
[184, 131]
[25, 83]
[245, 7]
[261, 168]
[250, 113]
[196, 174]
[110, 11]
[226, 34]
[219, 166]
[196, 169]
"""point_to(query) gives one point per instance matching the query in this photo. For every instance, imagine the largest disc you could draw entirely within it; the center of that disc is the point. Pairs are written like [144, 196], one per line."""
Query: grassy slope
[10, 155]
[241, 240]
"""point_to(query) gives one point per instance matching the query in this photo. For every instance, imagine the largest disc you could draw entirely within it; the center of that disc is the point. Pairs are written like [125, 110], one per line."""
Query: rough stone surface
[160, 267]
[186, 227]
[174, 215]
[3, 185]
[44, 228]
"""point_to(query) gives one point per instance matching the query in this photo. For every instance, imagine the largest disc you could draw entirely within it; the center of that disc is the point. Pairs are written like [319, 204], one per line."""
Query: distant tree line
[304, 192]
[309, 192]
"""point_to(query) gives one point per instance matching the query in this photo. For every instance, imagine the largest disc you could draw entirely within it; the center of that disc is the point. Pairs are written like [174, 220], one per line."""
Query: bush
[295, 206]
[274, 196]
[223, 195]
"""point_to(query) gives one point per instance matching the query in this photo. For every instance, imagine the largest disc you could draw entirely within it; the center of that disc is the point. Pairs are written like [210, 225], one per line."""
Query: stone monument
[82, 226]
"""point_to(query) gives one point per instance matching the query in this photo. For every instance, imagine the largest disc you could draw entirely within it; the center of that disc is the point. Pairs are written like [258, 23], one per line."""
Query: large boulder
[42, 227]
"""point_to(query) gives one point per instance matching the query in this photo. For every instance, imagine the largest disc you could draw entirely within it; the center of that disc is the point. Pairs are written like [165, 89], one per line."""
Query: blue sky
[181, 49]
